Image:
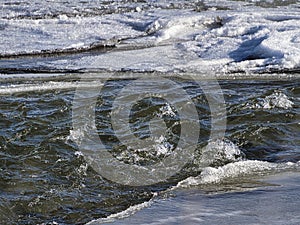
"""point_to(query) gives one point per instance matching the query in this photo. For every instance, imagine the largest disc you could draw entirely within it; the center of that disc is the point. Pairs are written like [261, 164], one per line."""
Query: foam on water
[219, 152]
[231, 170]
[44, 86]
[221, 160]
[126, 213]
[275, 100]
[278, 100]
[160, 148]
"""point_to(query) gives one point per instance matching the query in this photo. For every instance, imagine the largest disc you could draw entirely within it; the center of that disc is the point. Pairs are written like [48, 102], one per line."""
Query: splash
[275, 100]
[124, 214]
[211, 175]
[218, 153]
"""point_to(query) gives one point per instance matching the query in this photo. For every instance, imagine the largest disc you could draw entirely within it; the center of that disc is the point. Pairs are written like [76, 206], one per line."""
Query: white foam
[82, 170]
[210, 175]
[166, 110]
[275, 100]
[45, 86]
[76, 135]
[219, 152]
[163, 147]
[160, 147]
[126, 213]
[78, 154]
[278, 100]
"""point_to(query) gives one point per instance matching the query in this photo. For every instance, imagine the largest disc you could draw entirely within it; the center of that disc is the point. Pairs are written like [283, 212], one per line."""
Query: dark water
[43, 179]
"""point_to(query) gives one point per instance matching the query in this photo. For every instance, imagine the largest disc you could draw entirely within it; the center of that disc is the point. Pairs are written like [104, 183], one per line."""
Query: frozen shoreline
[250, 40]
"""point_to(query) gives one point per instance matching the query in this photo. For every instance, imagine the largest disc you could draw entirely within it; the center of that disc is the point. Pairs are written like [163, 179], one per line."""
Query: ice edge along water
[157, 40]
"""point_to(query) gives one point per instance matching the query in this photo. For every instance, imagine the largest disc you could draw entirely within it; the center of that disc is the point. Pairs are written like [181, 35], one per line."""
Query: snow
[242, 38]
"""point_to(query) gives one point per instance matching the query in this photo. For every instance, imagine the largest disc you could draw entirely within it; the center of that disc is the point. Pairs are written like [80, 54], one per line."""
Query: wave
[126, 213]
[233, 167]
[209, 175]
[275, 100]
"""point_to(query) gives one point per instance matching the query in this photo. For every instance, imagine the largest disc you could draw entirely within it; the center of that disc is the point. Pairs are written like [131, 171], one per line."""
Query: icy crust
[247, 39]
[220, 41]
[29, 36]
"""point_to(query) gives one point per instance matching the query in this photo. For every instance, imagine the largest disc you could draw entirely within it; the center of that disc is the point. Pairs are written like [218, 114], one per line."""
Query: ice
[243, 39]
[59, 34]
